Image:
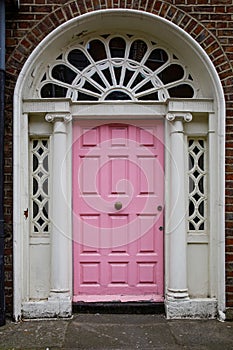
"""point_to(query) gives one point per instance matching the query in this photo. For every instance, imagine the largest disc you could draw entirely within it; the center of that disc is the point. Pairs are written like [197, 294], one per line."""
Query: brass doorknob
[118, 205]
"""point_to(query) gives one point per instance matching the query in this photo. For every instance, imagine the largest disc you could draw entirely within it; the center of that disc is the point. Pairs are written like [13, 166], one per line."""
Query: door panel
[118, 185]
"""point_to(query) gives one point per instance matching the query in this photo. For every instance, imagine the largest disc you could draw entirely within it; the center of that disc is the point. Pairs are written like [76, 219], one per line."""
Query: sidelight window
[197, 177]
[39, 188]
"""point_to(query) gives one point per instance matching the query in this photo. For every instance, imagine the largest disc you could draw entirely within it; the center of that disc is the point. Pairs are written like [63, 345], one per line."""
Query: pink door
[118, 182]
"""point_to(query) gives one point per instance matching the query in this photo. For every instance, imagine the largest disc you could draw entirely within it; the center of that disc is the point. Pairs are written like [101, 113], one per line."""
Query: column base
[191, 308]
[58, 305]
[177, 294]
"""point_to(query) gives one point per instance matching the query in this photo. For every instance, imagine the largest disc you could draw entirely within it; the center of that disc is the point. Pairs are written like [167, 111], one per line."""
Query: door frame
[60, 123]
[28, 111]
[139, 123]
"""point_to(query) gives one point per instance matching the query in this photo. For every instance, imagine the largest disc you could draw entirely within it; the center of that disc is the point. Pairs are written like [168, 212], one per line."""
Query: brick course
[209, 22]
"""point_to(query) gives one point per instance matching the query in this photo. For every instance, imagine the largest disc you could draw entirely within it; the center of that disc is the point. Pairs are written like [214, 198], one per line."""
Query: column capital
[182, 116]
[61, 117]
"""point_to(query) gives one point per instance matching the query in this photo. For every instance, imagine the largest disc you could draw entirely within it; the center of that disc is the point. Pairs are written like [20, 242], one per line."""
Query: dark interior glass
[137, 50]
[117, 95]
[97, 50]
[128, 76]
[63, 73]
[156, 59]
[150, 97]
[78, 59]
[181, 91]
[171, 73]
[85, 97]
[117, 47]
[52, 90]
[145, 87]
[117, 71]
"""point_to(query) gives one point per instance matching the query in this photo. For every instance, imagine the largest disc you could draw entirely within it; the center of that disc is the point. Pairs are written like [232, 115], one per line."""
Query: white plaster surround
[60, 112]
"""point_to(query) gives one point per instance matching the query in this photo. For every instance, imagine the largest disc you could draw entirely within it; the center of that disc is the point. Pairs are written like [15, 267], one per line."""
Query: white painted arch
[210, 89]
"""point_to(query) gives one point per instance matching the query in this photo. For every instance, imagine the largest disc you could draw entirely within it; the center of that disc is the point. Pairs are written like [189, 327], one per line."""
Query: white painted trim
[32, 67]
[17, 216]
[96, 109]
[177, 283]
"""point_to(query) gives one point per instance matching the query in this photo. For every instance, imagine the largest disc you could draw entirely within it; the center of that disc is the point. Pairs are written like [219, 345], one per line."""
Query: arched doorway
[134, 78]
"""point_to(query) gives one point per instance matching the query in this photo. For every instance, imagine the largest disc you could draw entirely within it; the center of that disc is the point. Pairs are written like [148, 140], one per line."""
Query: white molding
[192, 105]
[38, 106]
[186, 117]
[54, 117]
[205, 72]
[177, 287]
[198, 238]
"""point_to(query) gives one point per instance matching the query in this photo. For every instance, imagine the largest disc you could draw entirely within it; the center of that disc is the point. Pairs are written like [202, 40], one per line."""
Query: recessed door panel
[118, 183]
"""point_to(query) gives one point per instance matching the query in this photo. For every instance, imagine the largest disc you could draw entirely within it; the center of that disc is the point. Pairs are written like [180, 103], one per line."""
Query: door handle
[118, 205]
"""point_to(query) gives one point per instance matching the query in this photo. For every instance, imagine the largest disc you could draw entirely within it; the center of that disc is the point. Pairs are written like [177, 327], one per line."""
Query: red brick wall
[209, 22]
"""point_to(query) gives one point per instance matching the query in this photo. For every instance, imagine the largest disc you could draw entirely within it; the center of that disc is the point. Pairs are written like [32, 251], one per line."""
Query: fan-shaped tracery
[111, 67]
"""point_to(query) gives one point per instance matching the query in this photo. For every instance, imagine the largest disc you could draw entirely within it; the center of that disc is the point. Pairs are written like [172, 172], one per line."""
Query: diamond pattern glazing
[197, 184]
[40, 186]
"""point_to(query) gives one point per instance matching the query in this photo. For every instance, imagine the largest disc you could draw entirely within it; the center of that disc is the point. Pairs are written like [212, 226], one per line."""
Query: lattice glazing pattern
[111, 67]
[40, 186]
[197, 184]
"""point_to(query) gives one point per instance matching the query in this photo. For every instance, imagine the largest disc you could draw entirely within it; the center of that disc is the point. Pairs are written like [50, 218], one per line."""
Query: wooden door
[118, 183]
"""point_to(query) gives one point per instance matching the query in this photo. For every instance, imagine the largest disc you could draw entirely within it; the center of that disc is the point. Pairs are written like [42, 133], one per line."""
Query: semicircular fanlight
[117, 67]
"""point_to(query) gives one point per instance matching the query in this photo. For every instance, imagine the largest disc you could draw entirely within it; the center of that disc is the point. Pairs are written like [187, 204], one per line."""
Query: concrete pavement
[117, 331]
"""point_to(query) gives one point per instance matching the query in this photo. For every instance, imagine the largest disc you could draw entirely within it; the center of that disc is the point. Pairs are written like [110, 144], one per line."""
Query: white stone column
[177, 282]
[60, 295]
